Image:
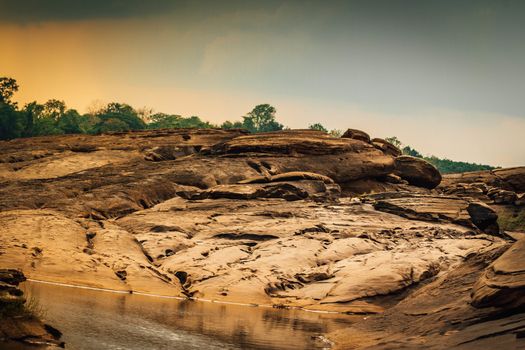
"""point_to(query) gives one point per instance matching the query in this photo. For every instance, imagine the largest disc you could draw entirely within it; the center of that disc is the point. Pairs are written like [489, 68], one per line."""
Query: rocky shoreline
[18, 323]
[291, 218]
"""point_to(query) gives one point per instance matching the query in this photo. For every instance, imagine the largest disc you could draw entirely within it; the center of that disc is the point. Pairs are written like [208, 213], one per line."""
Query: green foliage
[229, 125]
[261, 119]
[395, 141]
[117, 117]
[71, 122]
[11, 122]
[194, 122]
[8, 87]
[511, 218]
[317, 126]
[445, 166]
[411, 152]
[167, 121]
[53, 117]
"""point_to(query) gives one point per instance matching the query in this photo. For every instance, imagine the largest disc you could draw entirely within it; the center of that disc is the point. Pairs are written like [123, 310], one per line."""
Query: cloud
[30, 11]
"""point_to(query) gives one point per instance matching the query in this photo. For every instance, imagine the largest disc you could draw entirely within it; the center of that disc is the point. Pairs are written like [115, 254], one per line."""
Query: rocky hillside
[291, 218]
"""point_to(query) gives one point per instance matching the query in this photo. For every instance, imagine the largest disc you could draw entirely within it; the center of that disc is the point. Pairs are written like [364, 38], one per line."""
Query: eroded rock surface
[291, 218]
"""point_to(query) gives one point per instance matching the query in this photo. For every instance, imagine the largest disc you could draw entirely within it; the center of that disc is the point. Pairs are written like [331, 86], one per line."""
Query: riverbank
[293, 219]
[93, 319]
[20, 323]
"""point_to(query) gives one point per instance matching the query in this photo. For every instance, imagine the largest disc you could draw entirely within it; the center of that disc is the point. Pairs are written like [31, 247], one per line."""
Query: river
[91, 319]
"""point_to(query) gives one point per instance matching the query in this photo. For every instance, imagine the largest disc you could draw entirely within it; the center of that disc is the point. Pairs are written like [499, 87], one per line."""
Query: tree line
[54, 118]
[444, 165]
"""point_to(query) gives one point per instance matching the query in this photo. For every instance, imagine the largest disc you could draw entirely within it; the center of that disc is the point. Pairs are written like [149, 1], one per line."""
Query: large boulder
[484, 217]
[356, 135]
[511, 179]
[417, 171]
[503, 282]
[427, 207]
[270, 154]
[386, 147]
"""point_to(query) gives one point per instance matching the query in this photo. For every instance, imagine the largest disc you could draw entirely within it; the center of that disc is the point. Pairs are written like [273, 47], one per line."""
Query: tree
[118, 117]
[43, 119]
[164, 121]
[194, 122]
[53, 109]
[318, 126]
[8, 87]
[261, 119]
[11, 125]
[172, 121]
[411, 152]
[11, 120]
[231, 125]
[395, 141]
[71, 122]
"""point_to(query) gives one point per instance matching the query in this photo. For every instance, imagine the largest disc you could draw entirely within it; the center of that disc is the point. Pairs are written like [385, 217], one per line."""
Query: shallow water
[92, 319]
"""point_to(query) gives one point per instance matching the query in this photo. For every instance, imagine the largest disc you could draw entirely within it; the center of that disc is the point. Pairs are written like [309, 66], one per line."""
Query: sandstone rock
[503, 282]
[466, 190]
[284, 190]
[484, 217]
[511, 179]
[289, 176]
[386, 147]
[255, 219]
[394, 179]
[17, 324]
[11, 276]
[356, 135]
[502, 196]
[438, 208]
[417, 172]
[520, 200]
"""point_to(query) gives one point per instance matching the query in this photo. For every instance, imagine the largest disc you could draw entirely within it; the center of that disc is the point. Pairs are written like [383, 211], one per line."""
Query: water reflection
[100, 320]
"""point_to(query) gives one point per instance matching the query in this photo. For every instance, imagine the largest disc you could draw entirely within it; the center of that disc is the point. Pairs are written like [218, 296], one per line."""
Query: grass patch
[30, 309]
[511, 218]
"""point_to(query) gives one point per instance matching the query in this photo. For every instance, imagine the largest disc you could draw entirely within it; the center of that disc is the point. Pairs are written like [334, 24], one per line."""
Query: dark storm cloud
[25, 11]
[403, 12]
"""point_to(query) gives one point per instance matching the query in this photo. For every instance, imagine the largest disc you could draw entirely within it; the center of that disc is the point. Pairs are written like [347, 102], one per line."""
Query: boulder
[356, 135]
[11, 276]
[269, 154]
[417, 171]
[513, 177]
[426, 207]
[520, 200]
[503, 282]
[386, 147]
[289, 176]
[500, 196]
[484, 217]
[289, 191]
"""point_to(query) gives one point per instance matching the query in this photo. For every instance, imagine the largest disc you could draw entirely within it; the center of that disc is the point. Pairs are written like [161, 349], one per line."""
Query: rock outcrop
[417, 172]
[502, 284]
[18, 326]
[293, 218]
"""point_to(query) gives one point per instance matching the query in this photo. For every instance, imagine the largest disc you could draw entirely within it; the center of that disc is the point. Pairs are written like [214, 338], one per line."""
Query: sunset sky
[446, 77]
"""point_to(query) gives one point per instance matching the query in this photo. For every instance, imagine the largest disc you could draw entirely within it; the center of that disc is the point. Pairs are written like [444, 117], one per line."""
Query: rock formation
[18, 325]
[291, 218]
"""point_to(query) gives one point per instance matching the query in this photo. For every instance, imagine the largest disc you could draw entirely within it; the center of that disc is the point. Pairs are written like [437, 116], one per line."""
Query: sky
[446, 77]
